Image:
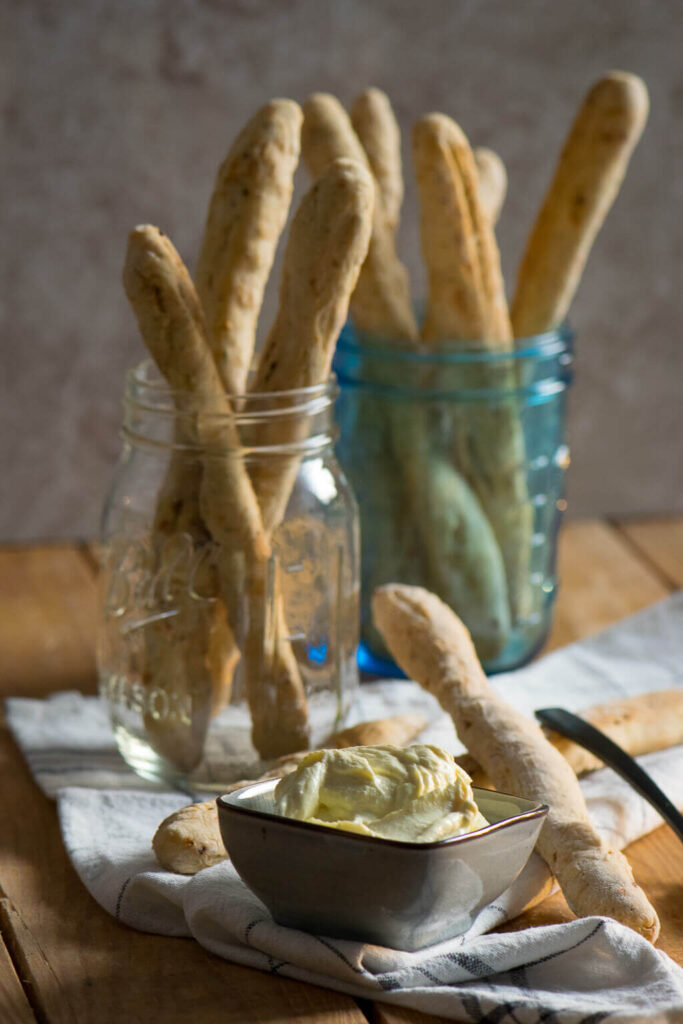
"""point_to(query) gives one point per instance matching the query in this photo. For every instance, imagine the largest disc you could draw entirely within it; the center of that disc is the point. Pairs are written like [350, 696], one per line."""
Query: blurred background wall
[116, 113]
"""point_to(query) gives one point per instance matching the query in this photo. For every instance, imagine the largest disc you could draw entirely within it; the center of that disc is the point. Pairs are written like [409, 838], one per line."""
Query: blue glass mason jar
[457, 460]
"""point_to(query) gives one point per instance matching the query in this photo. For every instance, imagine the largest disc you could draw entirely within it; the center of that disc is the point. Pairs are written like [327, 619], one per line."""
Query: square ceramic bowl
[349, 886]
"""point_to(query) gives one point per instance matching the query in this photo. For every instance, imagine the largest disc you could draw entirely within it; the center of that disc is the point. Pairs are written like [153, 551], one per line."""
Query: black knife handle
[587, 736]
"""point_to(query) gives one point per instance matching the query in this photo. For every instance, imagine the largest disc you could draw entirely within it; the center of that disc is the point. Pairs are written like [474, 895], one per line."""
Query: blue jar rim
[548, 344]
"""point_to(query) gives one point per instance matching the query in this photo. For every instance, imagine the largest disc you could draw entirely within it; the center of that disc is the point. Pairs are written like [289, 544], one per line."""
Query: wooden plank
[661, 542]
[48, 616]
[601, 581]
[81, 965]
[14, 1006]
[398, 1015]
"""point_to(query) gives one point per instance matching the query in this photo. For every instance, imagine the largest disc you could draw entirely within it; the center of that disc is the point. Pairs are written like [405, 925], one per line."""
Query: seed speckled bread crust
[433, 647]
[377, 129]
[589, 173]
[190, 839]
[246, 215]
[380, 303]
[171, 323]
[466, 295]
[327, 244]
[641, 725]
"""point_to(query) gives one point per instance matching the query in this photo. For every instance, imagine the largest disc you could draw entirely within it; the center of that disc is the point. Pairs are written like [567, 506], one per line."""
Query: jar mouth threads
[149, 390]
[537, 368]
[294, 422]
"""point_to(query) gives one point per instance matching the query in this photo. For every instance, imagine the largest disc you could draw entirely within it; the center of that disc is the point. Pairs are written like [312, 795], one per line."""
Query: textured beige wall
[119, 112]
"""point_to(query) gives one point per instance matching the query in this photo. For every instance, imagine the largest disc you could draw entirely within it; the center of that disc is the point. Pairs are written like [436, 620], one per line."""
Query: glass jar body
[457, 459]
[221, 648]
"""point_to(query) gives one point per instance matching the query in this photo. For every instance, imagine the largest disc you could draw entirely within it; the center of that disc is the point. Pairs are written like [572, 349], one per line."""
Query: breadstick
[641, 725]
[381, 300]
[589, 173]
[492, 181]
[432, 646]
[466, 303]
[190, 839]
[171, 322]
[377, 129]
[327, 244]
[246, 215]
[466, 297]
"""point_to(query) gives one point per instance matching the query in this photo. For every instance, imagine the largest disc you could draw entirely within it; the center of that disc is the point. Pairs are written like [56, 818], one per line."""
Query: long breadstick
[461, 553]
[327, 244]
[190, 839]
[381, 300]
[432, 646]
[172, 325]
[641, 725]
[246, 215]
[467, 303]
[377, 129]
[466, 294]
[587, 178]
[492, 181]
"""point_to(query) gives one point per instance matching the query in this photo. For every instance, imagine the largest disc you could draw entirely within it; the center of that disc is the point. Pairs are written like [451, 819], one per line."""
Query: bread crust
[587, 178]
[171, 323]
[492, 181]
[641, 725]
[377, 129]
[466, 299]
[327, 244]
[433, 646]
[380, 303]
[190, 839]
[246, 215]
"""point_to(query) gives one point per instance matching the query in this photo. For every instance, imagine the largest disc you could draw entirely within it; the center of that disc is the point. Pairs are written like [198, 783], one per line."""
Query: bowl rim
[225, 803]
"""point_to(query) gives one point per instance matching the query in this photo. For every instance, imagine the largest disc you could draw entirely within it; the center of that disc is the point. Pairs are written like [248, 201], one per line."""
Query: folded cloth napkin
[590, 969]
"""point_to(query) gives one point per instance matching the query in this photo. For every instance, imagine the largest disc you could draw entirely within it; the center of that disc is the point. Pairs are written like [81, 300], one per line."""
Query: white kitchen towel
[67, 740]
[591, 969]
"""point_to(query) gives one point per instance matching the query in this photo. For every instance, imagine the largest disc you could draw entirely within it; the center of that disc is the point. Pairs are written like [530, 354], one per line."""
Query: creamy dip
[417, 794]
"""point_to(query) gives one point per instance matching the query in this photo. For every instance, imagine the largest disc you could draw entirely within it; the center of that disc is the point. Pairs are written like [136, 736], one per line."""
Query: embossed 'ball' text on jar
[457, 458]
[230, 582]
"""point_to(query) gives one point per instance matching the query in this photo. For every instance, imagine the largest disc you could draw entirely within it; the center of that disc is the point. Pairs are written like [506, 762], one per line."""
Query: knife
[587, 736]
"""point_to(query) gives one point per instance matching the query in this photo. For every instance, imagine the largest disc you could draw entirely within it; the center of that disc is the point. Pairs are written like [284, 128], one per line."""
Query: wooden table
[63, 960]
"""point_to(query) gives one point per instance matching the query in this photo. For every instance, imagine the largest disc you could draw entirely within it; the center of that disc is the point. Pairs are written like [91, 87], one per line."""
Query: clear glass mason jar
[216, 655]
[457, 459]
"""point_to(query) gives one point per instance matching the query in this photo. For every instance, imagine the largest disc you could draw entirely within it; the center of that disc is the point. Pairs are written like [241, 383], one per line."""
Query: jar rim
[148, 390]
[544, 345]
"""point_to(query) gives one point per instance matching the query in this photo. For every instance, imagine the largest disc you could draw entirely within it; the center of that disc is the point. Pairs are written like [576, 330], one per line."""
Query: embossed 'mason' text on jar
[217, 649]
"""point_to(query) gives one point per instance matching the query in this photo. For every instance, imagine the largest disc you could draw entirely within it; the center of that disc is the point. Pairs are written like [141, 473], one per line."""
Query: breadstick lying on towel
[587, 178]
[641, 725]
[433, 647]
[190, 839]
